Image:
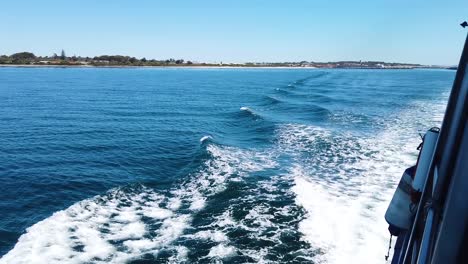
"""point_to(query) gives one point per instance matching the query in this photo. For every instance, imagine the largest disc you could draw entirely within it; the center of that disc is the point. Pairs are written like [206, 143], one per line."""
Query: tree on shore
[62, 55]
[4, 59]
[23, 57]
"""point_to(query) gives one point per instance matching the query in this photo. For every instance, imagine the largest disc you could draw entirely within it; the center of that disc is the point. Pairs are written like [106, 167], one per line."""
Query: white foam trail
[345, 229]
[180, 256]
[112, 229]
[101, 229]
[222, 251]
[345, 182]
[227, 164]
[263, 222]
[213, 235]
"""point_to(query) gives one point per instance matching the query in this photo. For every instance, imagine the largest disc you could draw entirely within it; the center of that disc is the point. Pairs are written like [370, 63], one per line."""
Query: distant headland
[62, 60]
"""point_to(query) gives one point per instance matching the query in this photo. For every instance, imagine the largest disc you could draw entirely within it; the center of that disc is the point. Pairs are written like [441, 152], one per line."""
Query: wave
[320, 98]
[294, 104]
[303, 95]
[205, 139]
[283, 91]
[270, 100]
[248, 112]
[248, 127]
[247, 109]
[303, 81]
[297, 104]
[300, 112]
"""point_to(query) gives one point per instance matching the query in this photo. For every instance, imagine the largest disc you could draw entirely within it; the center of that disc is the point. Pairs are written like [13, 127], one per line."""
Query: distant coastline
[213, 67]
[28, 59]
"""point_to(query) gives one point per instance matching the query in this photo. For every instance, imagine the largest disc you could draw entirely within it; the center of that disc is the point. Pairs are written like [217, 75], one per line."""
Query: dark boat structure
[429, 211]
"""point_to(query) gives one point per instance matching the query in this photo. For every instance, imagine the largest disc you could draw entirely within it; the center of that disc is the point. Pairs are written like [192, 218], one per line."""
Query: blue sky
[237, 31]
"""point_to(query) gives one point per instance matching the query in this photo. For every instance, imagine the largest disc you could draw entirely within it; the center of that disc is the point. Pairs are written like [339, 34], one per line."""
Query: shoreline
[145, 66]
[212, 67]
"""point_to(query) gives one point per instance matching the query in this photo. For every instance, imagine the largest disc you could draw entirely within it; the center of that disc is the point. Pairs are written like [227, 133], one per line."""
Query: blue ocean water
[177, 165]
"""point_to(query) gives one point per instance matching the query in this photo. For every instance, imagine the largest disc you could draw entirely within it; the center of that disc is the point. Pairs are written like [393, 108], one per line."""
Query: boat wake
[313, 194]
